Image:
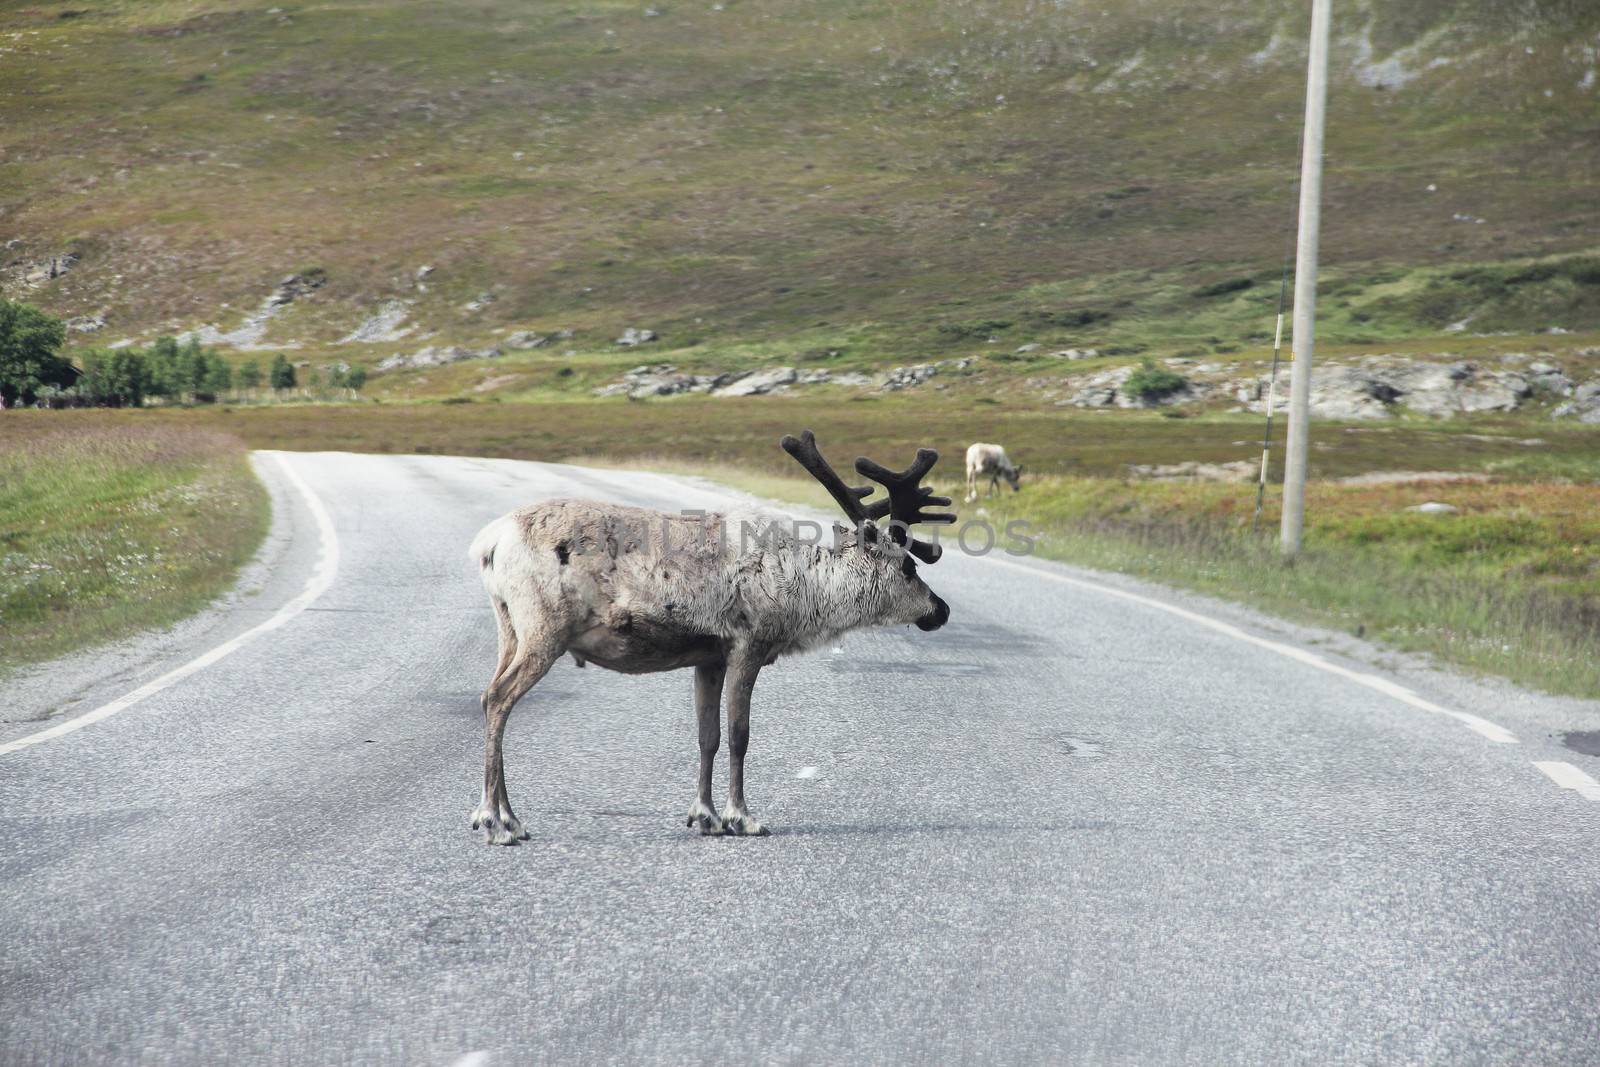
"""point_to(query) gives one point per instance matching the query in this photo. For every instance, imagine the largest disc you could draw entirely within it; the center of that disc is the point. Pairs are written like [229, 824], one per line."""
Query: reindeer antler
[905, 501]
[804, 449]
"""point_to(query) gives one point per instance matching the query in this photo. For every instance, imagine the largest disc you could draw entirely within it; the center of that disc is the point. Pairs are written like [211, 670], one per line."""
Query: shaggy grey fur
[638, 591]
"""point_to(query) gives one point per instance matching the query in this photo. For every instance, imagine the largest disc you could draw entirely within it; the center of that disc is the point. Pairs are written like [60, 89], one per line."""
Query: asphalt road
[1071, 827]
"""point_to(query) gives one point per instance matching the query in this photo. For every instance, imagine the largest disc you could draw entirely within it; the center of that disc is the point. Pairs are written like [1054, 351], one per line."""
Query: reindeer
[639, 591]
[991, 460]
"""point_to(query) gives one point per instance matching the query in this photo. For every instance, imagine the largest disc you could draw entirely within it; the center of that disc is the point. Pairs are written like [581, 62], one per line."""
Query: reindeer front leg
[743, 667]
[708, 711]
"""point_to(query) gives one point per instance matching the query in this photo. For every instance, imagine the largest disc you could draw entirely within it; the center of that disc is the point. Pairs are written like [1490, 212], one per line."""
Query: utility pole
[1305, 282]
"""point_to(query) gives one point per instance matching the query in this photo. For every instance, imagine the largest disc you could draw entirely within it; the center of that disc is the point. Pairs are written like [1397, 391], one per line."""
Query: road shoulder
[41, 693]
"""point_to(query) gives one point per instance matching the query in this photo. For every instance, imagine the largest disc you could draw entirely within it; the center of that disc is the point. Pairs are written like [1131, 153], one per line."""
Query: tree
[281, 375]
[131, 374]
[355, 378]
[29, 340]
[192, 369]
[166, 373]
[218, 375]
[248, 375]
[114, 379]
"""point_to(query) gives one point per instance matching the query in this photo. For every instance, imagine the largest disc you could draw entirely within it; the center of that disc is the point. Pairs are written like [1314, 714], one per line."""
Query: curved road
[1084, 823]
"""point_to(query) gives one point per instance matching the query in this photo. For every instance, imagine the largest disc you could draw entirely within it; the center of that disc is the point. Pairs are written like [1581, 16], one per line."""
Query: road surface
[1084, 823]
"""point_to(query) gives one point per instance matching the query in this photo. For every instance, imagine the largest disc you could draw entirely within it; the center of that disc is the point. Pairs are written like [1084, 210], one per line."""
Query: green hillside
[774, 178]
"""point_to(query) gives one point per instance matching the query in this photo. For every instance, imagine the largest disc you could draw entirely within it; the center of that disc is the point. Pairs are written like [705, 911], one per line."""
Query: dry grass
[744, 434]
[110, 529]
[1509, 584]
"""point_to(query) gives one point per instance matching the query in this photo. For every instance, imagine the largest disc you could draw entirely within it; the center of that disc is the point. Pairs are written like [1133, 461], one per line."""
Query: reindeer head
[1013, 475]
[890, 562]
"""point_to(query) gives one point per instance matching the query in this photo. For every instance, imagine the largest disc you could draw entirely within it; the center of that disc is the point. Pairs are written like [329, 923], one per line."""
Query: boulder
[758, 383]
[1584, 405]
[523, 340]
[916, 374]
[1455, 388]
[1434, 507]
[1099, 390]
[631, 337]
[1549, 380]
[661, 379]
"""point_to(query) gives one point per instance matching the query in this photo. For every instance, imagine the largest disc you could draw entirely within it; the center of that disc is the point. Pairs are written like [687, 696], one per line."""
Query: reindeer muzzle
[935, 618]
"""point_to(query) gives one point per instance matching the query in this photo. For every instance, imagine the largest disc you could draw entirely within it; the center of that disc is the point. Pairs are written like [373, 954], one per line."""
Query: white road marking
[807, 772]
[472, 1059]
[1498, 734]
[321, 578]
[1569, 777]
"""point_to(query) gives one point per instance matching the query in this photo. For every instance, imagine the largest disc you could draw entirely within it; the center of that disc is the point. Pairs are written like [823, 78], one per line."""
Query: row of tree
[33, 370]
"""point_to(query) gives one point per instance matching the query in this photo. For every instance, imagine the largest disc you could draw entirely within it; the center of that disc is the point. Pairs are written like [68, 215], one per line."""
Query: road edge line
[322, 577]
[1492, 731]
[1567, 776]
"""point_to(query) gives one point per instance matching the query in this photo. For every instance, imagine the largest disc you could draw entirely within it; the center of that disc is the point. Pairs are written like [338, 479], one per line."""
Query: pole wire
[1277, 349]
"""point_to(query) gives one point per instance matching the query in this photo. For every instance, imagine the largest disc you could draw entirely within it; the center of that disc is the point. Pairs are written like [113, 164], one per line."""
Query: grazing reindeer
[639, 591]
[991, 460]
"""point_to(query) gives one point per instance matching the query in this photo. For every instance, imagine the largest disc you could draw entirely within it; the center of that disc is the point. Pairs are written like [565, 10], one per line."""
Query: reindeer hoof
[742, 824]
[706, 819]
[499, 827]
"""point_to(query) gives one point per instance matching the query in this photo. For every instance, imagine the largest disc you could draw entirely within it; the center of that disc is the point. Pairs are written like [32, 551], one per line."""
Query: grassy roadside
[1509, 584]
[110, 529]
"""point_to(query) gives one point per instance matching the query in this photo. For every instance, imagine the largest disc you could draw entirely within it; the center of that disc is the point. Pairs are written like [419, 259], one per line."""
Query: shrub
[281, 375]
[1222, 288]
[1152, 382]
[248, 376]
[977, 328]
[1075, 318]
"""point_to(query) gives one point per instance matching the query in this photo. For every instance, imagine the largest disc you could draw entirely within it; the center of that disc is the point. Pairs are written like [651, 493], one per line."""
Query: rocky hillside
[410, 180]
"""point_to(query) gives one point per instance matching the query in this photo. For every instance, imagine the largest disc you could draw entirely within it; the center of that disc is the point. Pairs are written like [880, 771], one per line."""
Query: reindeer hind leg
[508, 648]
[535, 653]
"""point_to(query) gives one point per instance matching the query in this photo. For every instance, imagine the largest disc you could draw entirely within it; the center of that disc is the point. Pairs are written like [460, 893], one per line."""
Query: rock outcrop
[388, 324]
[432, 356]
[1584, 405]
[1381, 385]
[917, 374]
[247, 335]
[663, 379]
